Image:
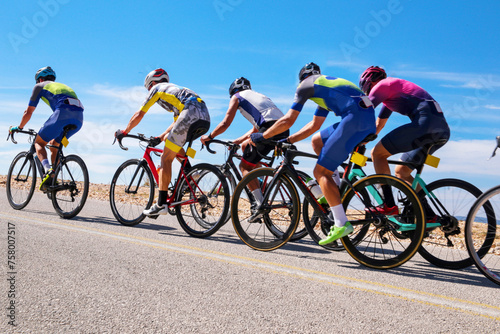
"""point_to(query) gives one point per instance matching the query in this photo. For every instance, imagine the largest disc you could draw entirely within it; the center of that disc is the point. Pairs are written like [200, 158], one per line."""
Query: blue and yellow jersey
[170, 97]
[331, 94]
[56, 95]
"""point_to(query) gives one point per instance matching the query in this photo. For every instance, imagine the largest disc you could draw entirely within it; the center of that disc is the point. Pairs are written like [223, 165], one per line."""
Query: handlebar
[30, 132]
[152, 141]
[229, 144]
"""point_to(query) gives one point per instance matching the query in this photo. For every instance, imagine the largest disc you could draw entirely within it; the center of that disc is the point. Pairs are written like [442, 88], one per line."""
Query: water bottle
[336, 177]
[314, 188]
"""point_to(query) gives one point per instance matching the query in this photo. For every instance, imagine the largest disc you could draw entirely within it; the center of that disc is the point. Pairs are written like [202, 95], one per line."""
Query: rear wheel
[21, 180]
[71, 182]
[132, 190]
[448, 205]
[382, 241]
[203, 201]
[274, 224]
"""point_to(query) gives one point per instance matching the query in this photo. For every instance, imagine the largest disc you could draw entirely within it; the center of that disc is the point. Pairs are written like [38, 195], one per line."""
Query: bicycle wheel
[72, 181]
[482, 234]
[301, 230]
[231, 181]
[21, 180]
[444, 246]
[132, 190]
[275, 223]
[203, 204]
[316, 228]
[382, 241]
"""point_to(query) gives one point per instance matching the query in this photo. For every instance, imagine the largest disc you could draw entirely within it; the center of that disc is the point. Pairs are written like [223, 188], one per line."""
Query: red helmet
[158, 75]
[370, 75]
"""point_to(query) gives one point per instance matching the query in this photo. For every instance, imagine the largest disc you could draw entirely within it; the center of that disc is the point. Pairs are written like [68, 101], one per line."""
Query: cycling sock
[389, 198]
[338, 215]
[46, 164]
[162, 197]
[257, 194]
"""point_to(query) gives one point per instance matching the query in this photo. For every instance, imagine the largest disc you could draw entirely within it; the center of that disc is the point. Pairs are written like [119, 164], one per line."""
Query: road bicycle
[233, 175]
[379, 241]
[482, 232]
[68, 189]
[446, 203]
[199, 197]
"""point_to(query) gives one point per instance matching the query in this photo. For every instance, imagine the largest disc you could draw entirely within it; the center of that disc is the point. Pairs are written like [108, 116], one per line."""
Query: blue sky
[103, 50]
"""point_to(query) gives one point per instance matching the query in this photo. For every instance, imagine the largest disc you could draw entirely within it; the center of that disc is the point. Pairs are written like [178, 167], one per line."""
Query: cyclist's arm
[307, 130]
[380, 123]
[136, 119]
[283, 124]
[245, 136]
[164, 135]
[226, 122]
[26, 116]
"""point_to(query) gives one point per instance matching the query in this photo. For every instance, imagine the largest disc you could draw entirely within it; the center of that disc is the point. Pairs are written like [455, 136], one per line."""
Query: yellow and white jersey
[170, 96]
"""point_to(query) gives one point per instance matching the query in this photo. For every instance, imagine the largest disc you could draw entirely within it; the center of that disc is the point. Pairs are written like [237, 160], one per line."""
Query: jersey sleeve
[150, 100]
[384, 112]
[381, 92]
[303, 93]
[35, 95]
[322, 112]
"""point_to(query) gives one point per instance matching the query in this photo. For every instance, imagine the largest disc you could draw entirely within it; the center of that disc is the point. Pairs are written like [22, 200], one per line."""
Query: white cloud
[491, 106]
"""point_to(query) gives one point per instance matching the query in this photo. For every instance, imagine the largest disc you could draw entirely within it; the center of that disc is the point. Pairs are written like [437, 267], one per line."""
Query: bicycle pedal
[154, 217]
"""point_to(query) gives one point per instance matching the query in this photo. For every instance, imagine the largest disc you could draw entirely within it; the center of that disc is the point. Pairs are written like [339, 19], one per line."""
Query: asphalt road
[93, 275]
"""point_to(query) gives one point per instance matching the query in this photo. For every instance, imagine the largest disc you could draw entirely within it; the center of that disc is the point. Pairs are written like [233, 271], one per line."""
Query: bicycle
[198, 197]
[482, 232]
[449, 201]
[233, 175]
[68, 189]
[378, 241]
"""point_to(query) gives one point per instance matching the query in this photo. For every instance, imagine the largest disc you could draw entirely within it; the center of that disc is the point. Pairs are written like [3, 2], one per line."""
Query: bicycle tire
[445, 246]
[301, 230]
[73, 173]
[21, 190]
[128, 207]
[208, 212]
[278, 222]
[378, 230]
[483, 239]
[231, 181]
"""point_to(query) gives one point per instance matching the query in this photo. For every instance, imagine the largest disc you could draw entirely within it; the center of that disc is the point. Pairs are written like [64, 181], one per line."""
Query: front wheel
[274, 224]
[202, 201]
[379, 240]
[132, 190]
[21, 180]
[482, 234]
[71, 187]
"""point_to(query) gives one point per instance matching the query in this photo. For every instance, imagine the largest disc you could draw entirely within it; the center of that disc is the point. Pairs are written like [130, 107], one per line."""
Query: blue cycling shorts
[341, 138]
[53, 127]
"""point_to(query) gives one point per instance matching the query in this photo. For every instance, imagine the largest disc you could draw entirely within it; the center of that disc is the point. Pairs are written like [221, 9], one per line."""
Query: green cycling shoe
[336, 233]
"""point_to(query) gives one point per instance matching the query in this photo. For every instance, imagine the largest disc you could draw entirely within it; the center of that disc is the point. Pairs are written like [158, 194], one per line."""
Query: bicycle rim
[73, 179]
[206, 199]
[21, 181]
[482, 234]
[277, 220]
[449, 204]
[379, 241]
[132, 190]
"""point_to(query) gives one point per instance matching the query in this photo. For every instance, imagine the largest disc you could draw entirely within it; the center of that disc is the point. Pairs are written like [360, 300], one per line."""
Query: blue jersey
[56, 95]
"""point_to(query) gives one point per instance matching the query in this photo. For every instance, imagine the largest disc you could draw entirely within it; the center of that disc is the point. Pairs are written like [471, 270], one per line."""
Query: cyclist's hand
[14, 129]
[155, 141]
[204, 138]
[284, 140]
[119, 134]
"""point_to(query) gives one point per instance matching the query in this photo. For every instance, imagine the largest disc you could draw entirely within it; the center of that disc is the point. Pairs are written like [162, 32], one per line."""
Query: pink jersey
[398, 95]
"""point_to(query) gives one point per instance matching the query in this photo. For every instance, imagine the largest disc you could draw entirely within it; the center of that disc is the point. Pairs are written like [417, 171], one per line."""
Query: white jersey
[257, 108]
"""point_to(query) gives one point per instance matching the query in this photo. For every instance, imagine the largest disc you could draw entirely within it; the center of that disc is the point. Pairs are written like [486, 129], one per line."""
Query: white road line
[450, 303]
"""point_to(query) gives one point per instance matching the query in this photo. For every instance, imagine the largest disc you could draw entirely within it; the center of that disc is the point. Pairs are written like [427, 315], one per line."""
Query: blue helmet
[45, 72]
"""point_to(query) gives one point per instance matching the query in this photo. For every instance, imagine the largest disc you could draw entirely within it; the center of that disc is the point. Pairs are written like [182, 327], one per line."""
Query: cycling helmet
[370, 75]
[307, 70]
[238, 85]
[46, 71]
[158, 75]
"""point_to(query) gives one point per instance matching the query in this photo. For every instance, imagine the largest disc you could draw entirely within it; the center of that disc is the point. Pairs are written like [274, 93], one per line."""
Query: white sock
[46, 164]
[257, 194]
[339, 215]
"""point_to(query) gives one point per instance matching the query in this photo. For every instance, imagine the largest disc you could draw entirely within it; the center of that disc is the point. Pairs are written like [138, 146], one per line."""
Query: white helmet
[158, 75]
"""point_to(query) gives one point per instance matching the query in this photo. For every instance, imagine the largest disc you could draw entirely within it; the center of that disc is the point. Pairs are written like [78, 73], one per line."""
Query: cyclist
[67, 109]
[427, 125]
[191, 119]
[259, 110]
[334, 143]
